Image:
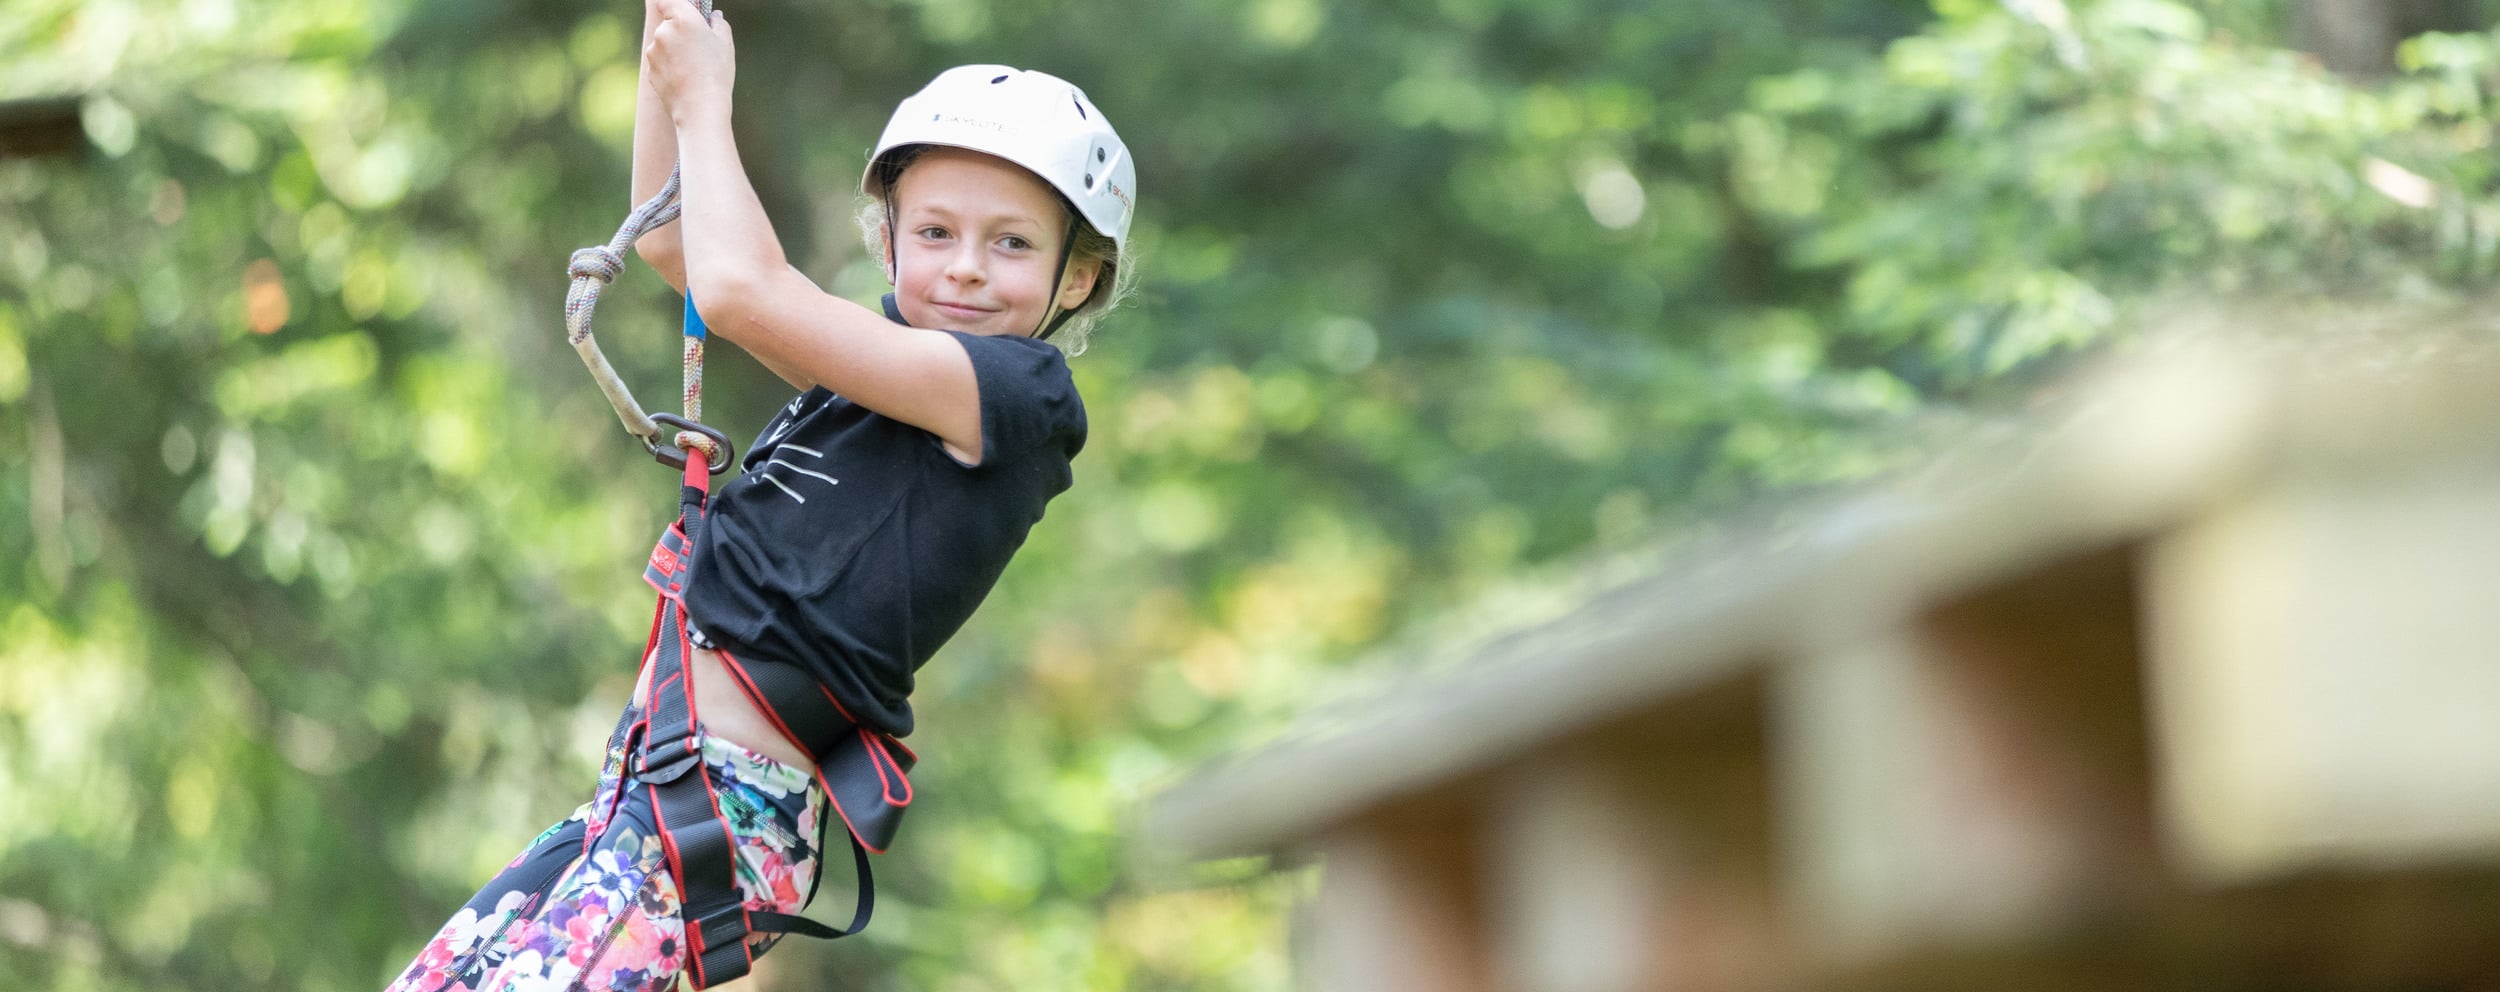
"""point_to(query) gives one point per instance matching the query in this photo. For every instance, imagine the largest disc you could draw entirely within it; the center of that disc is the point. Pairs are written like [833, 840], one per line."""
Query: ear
[885, 236]
[1079, 284]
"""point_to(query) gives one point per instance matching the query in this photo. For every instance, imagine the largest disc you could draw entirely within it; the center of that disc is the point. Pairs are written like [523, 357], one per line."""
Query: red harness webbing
[856, 766]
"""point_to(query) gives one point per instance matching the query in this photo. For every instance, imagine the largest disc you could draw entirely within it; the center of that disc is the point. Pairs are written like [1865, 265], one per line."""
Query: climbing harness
[864, 772]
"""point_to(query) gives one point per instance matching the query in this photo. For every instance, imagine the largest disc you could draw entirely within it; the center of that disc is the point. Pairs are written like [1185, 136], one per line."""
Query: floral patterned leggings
[590, 904]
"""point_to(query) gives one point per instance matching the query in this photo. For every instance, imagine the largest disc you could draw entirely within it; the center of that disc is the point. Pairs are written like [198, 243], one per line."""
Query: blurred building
[2192, 684]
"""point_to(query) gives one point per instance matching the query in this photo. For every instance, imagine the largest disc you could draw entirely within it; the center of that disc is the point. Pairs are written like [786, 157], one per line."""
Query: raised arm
[746, 288]
[655, 153]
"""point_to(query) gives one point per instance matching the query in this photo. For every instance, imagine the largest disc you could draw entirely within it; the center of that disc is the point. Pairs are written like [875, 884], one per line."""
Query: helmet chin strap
[1052, 318]
[893, 265]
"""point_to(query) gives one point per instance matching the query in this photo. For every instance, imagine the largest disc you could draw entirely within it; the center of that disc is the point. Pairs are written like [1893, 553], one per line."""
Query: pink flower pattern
[608, 916]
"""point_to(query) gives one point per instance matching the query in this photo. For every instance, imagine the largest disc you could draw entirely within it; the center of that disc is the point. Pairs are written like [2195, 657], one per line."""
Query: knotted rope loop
[598, 265]
[592, 269]
[596, 262]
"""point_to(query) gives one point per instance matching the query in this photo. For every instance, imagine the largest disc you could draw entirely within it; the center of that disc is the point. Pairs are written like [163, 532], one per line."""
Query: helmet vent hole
[1089, 180]
[997, 80]
[1080, 107]
[1101, 155]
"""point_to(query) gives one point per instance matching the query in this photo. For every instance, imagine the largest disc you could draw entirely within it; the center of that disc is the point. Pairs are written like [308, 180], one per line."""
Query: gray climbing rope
[592, 269]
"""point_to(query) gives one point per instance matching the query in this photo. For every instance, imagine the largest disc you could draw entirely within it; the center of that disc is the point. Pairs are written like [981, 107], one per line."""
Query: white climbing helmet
[1033, 119]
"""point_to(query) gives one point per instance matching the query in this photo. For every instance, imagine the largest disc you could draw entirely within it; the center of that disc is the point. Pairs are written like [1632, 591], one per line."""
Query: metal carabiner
[675, 457]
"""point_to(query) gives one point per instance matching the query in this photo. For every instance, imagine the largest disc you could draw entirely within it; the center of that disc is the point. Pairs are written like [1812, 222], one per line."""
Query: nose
[964, 264]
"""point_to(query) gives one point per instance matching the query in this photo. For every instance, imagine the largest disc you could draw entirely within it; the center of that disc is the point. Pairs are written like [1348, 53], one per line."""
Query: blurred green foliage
[322, 552]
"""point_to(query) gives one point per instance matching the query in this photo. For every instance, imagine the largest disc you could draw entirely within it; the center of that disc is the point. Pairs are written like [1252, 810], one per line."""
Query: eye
[932, 233]
[1015, 242]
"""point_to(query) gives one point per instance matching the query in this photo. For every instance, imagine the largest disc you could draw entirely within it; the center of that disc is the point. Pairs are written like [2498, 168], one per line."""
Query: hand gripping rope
[592, 269]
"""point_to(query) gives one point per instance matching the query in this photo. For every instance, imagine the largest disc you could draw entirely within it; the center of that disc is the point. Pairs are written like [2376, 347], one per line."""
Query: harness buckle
[712, 924]
[639, 765]
[675, 457]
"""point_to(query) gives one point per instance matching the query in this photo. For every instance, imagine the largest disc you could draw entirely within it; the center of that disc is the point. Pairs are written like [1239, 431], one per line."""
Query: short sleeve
[1028, 400]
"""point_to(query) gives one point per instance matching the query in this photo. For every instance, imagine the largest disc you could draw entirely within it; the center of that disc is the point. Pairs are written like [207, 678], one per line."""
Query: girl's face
[976, 245]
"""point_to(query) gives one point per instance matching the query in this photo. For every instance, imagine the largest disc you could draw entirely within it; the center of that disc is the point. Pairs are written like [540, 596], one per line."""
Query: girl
[874, 513]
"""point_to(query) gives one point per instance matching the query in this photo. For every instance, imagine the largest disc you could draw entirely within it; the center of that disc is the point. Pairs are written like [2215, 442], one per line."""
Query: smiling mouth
[963, 310]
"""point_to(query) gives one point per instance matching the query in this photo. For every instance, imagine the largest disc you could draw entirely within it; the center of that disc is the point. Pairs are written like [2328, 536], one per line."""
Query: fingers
[688, 64]
[669, 17]
[667, 11]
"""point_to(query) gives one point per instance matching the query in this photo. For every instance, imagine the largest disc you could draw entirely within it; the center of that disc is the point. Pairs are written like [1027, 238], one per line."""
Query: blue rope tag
[694, 321]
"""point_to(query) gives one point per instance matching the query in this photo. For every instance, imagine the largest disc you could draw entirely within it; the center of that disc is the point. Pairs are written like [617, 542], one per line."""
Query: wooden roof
[2147, 438]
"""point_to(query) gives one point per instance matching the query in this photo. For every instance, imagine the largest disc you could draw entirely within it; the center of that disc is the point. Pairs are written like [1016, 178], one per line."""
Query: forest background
[319, 553]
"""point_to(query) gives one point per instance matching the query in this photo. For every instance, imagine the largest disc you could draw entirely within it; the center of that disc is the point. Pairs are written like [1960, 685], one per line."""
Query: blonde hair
[1112, 286]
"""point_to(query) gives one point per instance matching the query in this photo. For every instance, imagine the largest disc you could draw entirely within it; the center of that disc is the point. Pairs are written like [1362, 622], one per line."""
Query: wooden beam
[1400, 906]
[1578, 874]
[2327, 688]
[1973, 780]
[1638, 858]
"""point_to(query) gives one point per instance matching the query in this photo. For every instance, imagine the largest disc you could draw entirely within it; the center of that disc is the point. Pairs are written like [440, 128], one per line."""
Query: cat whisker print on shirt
[811, 473]
[782, 423]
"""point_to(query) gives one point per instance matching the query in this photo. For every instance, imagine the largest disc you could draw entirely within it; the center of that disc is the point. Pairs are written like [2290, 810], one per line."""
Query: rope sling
[592, 269]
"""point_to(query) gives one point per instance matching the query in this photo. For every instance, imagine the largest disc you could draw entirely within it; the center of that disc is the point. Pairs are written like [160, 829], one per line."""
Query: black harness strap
[865, 773]
[668, 760]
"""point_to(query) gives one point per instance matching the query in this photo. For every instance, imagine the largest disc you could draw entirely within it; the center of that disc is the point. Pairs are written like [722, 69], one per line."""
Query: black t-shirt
[854, 545]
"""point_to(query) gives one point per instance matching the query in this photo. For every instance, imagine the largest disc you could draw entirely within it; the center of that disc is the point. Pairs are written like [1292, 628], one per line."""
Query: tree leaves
[325, 551]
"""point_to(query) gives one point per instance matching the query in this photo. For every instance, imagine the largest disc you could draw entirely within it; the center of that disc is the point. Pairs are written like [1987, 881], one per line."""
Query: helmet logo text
[972, 122]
